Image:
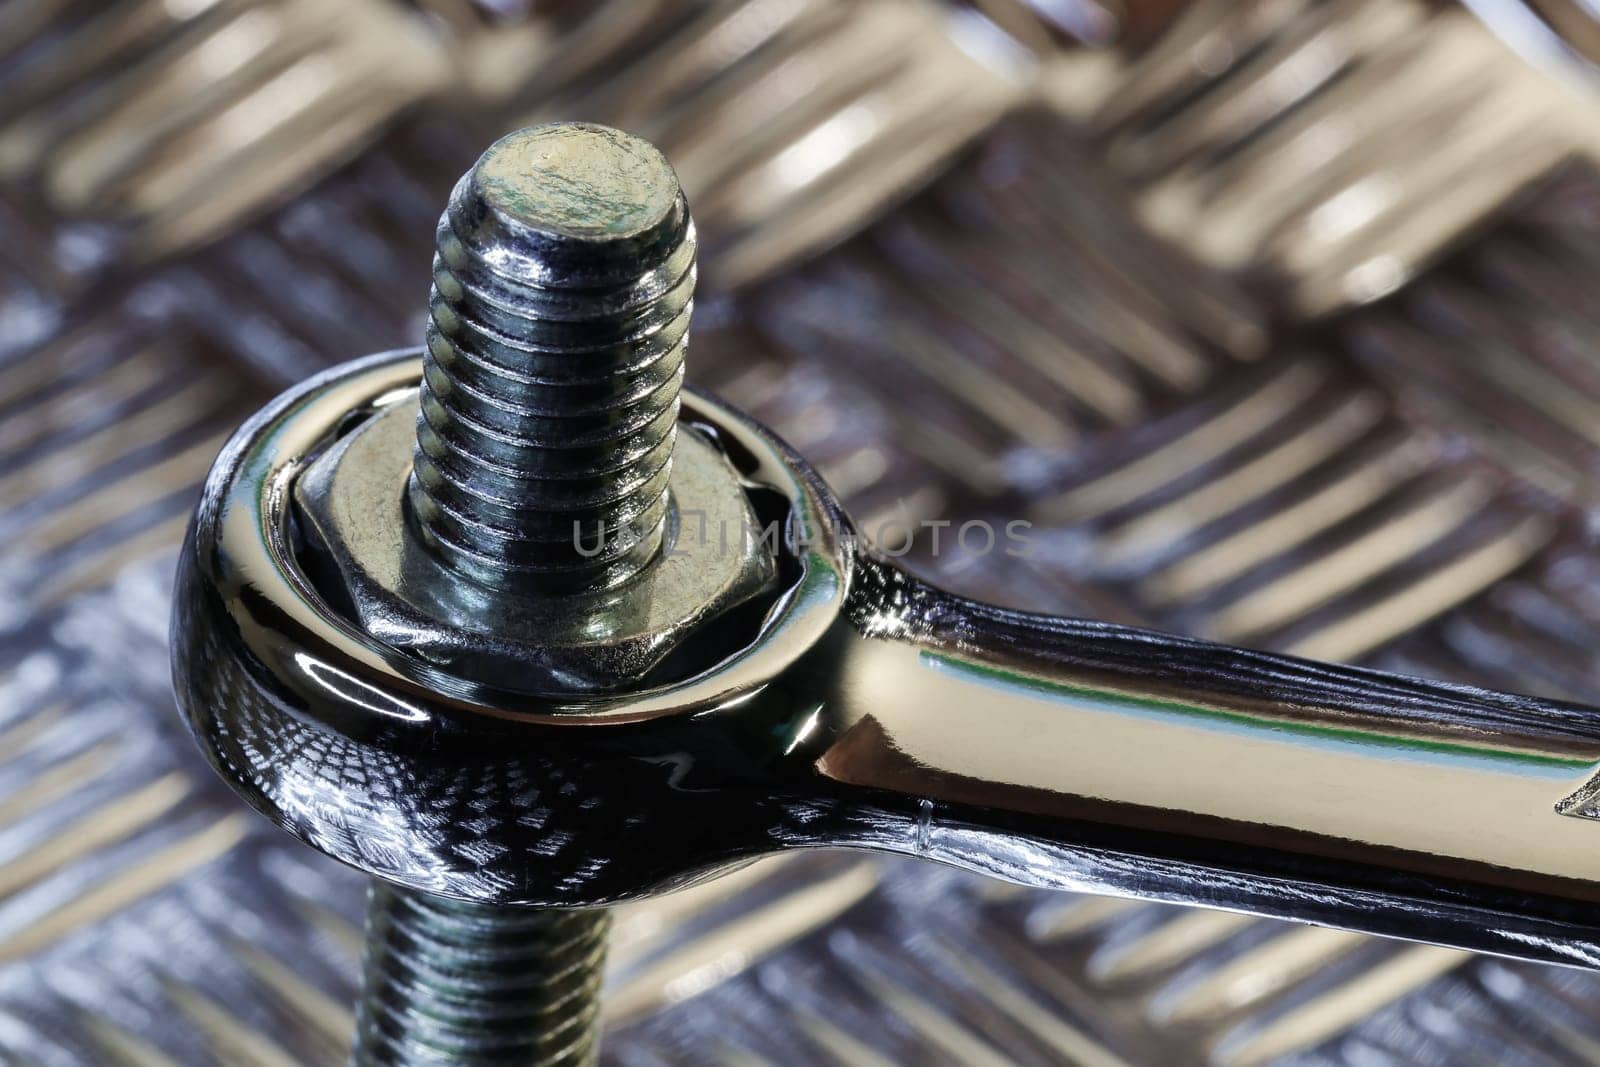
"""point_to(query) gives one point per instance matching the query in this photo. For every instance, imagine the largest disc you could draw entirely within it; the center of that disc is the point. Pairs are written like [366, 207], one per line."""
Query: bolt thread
[562, 289]
[549, 403]
[450, 982]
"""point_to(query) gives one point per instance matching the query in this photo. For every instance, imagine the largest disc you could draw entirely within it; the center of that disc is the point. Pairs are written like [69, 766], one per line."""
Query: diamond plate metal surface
[1275, 322]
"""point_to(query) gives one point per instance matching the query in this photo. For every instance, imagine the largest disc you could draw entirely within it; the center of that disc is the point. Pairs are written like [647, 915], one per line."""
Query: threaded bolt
[451, 982]
[562, 290]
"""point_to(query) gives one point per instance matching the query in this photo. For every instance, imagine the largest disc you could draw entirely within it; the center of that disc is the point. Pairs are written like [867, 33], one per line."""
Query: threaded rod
[562, 290]
[450, 982]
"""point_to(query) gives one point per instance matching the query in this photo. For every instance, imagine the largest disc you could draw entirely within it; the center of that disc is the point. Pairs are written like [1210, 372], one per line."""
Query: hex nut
[353, 515]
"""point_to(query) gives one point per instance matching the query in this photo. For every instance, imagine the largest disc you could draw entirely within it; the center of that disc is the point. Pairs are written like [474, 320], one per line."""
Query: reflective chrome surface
[872, 710]
[1082, 755]
[362, 750]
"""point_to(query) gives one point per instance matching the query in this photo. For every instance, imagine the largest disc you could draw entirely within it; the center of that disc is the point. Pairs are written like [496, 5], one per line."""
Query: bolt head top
[572, 206]
[579, 181]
